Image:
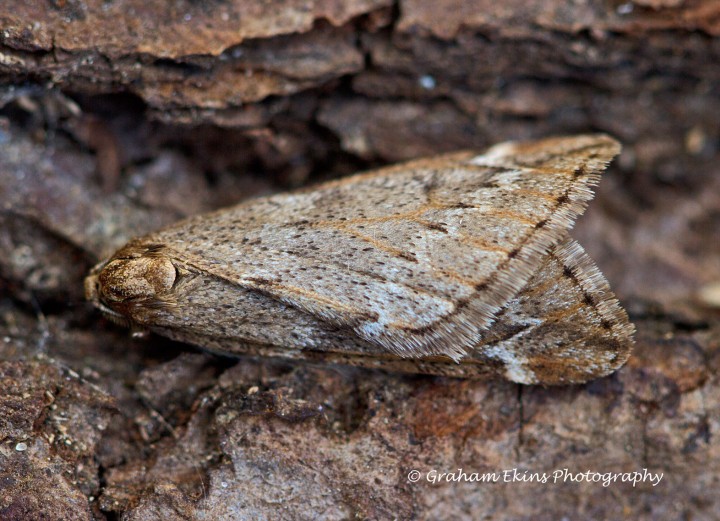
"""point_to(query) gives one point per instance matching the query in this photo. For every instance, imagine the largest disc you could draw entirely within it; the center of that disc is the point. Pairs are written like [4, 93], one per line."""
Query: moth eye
[139, 278]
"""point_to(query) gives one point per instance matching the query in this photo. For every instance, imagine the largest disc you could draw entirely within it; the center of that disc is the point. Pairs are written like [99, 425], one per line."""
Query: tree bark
[117, 118]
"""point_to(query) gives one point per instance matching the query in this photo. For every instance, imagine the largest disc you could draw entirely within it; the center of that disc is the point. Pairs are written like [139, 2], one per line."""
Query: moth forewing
[414, 267]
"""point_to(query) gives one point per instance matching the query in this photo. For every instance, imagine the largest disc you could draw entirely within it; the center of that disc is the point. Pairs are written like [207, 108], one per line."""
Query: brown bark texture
[118, 117]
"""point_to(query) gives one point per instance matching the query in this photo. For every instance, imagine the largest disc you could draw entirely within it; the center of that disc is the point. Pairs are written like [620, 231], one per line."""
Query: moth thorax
[138, 278]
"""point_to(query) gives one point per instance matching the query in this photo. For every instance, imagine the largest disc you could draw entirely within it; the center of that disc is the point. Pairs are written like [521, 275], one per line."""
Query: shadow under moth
[457, 265]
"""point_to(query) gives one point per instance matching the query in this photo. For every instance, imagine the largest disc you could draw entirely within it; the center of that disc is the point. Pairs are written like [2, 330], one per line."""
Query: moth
[457, 265]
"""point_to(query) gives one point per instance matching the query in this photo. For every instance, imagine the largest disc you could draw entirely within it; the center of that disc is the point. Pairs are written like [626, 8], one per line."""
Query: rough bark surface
[119, 117]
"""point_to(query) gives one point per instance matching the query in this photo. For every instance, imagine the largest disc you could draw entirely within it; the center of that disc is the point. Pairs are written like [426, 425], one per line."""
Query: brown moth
[456, 265]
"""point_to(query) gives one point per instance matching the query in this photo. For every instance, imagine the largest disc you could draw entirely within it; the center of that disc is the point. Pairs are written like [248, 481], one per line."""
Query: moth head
[134, 280]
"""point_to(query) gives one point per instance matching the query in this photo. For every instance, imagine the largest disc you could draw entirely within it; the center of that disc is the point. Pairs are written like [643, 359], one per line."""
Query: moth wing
[417, 258]
[565, 326]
